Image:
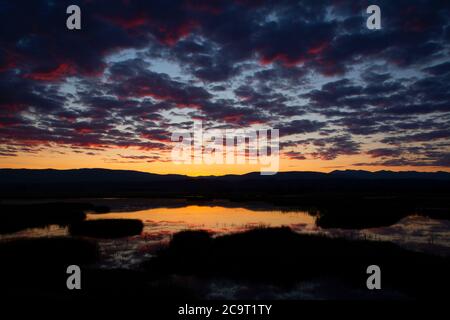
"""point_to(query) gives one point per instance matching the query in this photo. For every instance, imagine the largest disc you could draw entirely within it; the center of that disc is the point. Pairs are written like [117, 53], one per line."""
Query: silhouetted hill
[291, 175]
[124, 183]
[384, 174]
[108, 175]
[80, 175]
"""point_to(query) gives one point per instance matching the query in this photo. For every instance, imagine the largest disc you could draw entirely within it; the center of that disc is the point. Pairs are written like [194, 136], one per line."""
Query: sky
[111, 94]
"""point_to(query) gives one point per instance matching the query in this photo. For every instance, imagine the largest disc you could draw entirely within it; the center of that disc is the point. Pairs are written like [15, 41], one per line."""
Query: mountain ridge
[89, 174]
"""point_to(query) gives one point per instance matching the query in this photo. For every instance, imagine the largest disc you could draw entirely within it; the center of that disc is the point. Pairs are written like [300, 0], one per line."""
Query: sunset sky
[111, 94]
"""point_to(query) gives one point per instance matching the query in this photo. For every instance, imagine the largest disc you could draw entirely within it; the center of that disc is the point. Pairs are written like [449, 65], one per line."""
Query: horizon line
[229, 174]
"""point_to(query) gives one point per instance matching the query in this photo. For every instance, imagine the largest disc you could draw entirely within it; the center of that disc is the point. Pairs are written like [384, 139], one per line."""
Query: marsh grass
[28, 265]
[16, 217]
[281, 256]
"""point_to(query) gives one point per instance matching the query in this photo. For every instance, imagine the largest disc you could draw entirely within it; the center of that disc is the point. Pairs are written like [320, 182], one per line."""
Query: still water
[161, 220]
[161, 223]
[216, 219]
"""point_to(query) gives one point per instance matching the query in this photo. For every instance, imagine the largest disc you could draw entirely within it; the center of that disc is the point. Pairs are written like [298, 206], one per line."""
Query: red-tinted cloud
[61, 71]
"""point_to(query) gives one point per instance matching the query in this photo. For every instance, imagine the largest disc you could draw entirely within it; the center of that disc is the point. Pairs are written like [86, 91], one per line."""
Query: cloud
[384, 152]
[139, 70]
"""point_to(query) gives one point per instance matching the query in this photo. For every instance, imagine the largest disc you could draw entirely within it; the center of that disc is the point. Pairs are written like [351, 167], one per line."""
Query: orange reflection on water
[213, 218]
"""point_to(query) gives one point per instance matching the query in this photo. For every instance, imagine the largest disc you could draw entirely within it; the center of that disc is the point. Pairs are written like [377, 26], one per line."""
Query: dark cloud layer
[310, 68]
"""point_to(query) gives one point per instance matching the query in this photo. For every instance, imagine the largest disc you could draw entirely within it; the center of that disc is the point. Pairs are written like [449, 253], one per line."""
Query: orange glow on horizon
[61, 159]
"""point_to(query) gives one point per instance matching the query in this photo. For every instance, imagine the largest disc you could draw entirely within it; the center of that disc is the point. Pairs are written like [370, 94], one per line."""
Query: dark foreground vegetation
[280, 256]
[107, 228]
[38, 266]
[274, 256]
[17, 217]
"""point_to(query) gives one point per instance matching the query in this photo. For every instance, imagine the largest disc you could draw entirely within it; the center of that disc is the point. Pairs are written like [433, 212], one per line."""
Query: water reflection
[162, 219]
[216, 219]
[161, 223]
[47, 231]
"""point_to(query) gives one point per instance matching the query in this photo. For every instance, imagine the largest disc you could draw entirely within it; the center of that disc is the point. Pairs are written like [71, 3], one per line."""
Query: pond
[163, 219]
